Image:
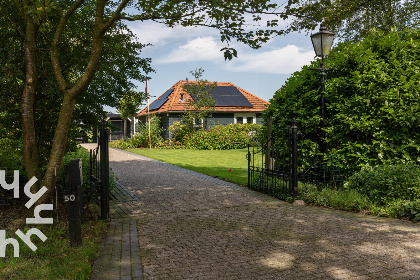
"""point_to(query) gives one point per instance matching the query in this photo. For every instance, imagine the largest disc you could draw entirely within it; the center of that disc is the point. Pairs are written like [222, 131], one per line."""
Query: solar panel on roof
[228, 96]
[166, 94]
[161, 100]
[157, 103]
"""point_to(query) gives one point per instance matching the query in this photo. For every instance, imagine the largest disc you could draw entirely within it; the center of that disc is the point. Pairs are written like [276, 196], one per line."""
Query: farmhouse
[233, 105]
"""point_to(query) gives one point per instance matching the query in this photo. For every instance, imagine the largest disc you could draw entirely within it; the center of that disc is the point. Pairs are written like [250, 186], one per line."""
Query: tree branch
[54, 46]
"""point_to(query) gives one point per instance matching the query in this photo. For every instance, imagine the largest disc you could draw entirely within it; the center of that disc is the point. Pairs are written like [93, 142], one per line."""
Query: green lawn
[216, 163]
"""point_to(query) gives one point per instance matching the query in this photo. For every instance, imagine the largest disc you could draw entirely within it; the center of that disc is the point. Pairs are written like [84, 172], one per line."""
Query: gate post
[293, 182]
[74, 199]
[267, 152]
[104, 162]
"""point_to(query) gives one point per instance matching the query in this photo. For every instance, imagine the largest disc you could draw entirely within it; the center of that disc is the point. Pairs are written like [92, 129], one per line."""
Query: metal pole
[269, 136]
[148, 112]
[294, 176]
[323, 73]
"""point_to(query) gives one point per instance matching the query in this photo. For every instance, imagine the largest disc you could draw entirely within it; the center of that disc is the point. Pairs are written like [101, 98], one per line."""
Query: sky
[177, 51]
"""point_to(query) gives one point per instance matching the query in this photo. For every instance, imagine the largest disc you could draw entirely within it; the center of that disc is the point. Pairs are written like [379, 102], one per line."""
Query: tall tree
[202, 105]
[352, 20]
[53, 28]
[128, 106]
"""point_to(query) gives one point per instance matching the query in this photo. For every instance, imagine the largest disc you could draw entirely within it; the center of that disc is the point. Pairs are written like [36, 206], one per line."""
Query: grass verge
[228, 165]
[54, 258]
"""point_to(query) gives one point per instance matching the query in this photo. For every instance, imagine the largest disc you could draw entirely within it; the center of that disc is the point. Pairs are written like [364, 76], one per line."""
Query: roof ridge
[258, 104]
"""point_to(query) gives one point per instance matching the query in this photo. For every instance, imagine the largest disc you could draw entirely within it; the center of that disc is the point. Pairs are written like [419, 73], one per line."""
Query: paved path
[191, 226]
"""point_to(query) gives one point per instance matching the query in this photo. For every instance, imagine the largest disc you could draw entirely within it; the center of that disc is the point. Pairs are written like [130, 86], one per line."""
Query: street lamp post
[322, 43]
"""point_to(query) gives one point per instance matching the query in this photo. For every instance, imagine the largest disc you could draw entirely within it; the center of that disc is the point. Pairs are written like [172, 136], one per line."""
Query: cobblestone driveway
[193, 227]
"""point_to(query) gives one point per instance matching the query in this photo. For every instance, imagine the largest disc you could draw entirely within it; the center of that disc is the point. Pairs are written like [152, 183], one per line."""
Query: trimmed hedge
[232, 136]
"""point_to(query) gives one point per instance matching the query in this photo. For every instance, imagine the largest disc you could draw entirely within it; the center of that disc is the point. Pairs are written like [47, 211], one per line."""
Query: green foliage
[141, 139]
[348, 200]
[232, 136]
[11, 155]
[372, 102]
[84, 155]
[387, 183]
[179, 132]
[406, 209]
[55, 258]
[129, 104]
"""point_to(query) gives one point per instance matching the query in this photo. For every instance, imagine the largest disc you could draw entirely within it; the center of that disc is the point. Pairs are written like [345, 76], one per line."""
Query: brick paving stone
[192, 226]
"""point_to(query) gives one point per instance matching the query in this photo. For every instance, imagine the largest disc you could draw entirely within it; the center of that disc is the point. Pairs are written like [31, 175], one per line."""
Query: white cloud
[159, 34]
[199, 49]
[284, 60]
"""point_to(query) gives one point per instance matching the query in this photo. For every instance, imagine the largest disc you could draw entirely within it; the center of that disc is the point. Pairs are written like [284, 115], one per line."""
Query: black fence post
[248, 157]
[293, 182]
[74, 199]
[104, 162]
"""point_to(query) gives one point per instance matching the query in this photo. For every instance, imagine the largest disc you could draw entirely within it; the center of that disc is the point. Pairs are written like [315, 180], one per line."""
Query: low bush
[406, 209]
[348, 200]
[386, 184]
[179, 132]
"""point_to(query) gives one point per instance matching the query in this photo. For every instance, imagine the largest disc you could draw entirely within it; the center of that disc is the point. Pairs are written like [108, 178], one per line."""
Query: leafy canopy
[352, 20]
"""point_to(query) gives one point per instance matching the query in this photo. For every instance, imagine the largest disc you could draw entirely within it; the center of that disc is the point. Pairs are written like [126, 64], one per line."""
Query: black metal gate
[272, 165]
[277, 166]
[99, 173]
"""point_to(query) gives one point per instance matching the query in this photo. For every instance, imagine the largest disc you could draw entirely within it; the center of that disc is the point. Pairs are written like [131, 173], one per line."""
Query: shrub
[141, 139]
[349, 200]
[232, 136]
[11, 155]
[179, 132]
[372, 102]
[406, 209]
[387, 183]
[84, 155]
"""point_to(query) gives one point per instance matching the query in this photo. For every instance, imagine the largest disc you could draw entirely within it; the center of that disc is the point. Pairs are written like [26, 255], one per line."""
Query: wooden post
[74, 199]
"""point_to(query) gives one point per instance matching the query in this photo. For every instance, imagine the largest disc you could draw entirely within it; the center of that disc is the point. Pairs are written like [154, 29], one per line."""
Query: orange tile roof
[174, 105]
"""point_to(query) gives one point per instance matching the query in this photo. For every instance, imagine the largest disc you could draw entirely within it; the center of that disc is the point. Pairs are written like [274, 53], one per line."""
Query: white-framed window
[198, 123]
[245, 118]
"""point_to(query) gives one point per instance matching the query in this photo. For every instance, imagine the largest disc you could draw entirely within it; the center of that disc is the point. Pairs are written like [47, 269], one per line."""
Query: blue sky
[177, 51]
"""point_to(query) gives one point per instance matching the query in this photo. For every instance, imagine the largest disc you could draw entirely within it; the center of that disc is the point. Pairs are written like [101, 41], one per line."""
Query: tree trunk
[59, 145]
[30, 147]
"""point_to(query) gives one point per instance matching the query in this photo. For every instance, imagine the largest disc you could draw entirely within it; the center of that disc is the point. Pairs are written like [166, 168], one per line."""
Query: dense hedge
[372, 101]
[232, 136]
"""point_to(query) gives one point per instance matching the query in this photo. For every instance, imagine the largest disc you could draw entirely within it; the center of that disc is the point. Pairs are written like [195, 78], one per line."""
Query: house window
[198, 122]
[245, 118]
